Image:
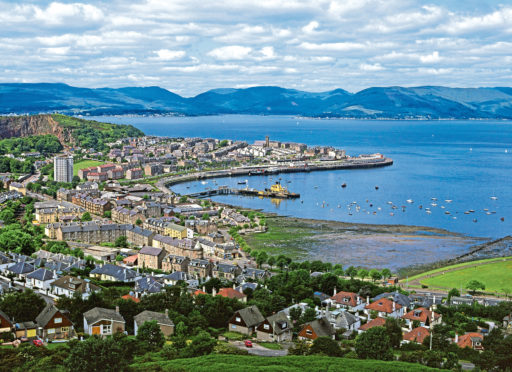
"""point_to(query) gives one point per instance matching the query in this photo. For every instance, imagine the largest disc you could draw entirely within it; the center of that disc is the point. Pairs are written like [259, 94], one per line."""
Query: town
[96, 249]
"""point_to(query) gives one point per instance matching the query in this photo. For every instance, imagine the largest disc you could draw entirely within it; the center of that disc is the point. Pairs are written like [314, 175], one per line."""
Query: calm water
[463, 161]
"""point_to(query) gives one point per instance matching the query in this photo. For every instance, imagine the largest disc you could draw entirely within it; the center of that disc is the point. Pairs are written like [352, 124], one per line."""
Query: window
[64, 329]
[266, 326]
[309, 332]
[58, 320]
[51, 331]
[233, 326]
[238, 319]
[107, 329]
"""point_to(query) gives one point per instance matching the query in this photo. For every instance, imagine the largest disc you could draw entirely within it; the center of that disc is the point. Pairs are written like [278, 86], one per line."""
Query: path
[259, 350]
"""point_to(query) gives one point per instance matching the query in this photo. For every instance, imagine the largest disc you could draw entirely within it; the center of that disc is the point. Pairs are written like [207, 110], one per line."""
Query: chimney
[117, 309]
[394, 306]
[367, 300]
[204, 289]
[167, 312]
[214, 291]
[456, 338]
[335, 291]
[410, 326]
[234, 286]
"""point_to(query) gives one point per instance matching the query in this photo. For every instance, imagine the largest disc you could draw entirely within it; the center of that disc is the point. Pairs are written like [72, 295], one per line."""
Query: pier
[224, 190]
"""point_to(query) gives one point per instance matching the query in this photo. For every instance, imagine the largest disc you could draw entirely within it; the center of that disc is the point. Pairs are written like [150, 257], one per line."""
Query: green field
[85, 164]
[496, 275]
[237, 363]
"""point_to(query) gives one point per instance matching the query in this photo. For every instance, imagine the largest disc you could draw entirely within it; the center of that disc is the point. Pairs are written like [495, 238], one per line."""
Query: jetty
[276, 191]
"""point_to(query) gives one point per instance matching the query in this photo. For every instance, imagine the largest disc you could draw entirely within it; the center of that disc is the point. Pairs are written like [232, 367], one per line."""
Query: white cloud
[232, 52]
[338, 47]
[310, 27]
[371, 67]
[169, 55]
[430, 58]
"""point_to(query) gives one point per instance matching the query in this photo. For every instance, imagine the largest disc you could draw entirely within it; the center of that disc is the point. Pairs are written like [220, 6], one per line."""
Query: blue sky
[190, 46]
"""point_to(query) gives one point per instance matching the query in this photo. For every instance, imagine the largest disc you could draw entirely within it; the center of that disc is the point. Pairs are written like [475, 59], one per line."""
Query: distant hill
[380, 102]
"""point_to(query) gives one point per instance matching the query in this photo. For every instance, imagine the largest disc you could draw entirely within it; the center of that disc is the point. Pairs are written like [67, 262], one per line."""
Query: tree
[138, 222]
[374, 344]
[362, 273]
[262, 258]
[107, 214]
[351, 272]
[295, 313]
[86, 217]
[474, 285]
[433, 358]
[122, 242]
[308, 316]
[375, 275]
[97, 354]
[454, 292]
[205, 216]
[22, 306]
[202, 344]
[271, 261]
[394, 332]
[326, 346]
[452, 362]
[386, 273]
[151, 334]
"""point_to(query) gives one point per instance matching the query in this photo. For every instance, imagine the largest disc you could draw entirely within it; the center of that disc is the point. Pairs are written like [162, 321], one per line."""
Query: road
[259, 350]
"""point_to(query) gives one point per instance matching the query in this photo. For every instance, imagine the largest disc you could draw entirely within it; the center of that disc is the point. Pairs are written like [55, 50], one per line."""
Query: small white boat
[433, 204]
[494, 198]
[434, 199]
[410, 201]
[428, 212]
[391, 214]
[448, 200]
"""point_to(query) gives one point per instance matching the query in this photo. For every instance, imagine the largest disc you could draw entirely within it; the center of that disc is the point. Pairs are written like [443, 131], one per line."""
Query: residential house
[54, 324]
[397, 297]
[5, 323]
[347, 300]
[135, 173]
[175, 277]
[166, 325]
[69, 285]
[103, 322]
[147, 285]
[417, 335]
[151, 257]
[232, 293]
[140, 236]
[176, 231]
[377, 322]
[41, 278]
[472, 340]
[199, 268]
[174, 263]
[342, 319]
[25, 330]
[385, 308]
[18, 187]
[113, 273]
[455, 300]
[317, 328]
[424, 317]
[20, 270]
[226, 271]
[246, 320]
[276, 328]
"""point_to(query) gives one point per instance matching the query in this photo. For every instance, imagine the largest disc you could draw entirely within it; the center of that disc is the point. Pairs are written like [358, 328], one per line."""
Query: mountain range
[425, 102]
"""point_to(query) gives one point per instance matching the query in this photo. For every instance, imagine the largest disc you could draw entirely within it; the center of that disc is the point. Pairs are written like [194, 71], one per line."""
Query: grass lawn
[234, 336]
[270, 345]
[495, 275]
[85, 164]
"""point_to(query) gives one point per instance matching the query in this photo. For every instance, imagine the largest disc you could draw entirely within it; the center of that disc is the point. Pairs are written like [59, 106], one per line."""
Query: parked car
[248, 343]
[37, 343]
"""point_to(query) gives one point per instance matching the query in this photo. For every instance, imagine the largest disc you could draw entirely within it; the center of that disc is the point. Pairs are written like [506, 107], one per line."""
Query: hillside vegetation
[237, 363]
[69, 131]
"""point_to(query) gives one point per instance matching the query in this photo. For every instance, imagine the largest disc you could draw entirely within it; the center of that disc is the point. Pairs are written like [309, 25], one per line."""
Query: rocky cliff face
[23, 126]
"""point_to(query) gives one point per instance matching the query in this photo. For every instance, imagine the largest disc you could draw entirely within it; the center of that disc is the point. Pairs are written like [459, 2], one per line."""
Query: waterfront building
[63, 169]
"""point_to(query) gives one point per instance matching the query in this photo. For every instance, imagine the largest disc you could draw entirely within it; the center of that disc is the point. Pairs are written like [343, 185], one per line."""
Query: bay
[462, 164]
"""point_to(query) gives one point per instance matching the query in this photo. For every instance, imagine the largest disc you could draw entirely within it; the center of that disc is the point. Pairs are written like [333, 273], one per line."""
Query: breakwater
[358, 163]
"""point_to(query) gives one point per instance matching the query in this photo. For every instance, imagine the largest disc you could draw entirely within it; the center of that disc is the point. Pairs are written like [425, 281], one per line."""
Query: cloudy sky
[190, 46]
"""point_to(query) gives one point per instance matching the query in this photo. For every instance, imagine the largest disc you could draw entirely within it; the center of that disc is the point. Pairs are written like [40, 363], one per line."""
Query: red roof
[345, 298]
[421, 314]
[130, 297]
[417, 335]
[385, 305]
[230, 293]
[130, 259]
[465, 340]
[377, 322]
[199, 292]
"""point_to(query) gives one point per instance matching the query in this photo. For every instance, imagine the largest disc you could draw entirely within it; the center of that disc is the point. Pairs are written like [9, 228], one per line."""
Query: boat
[502, 219]
[410, 201]
[446, 212]
[391, 214]
[433, 204]
[471, 211]
[434, 199]
[428, 212]
[467, 212]
[343, 185]
[494, 198]
[448, 200]
[475, 220]
[244, 182]
[376, 187]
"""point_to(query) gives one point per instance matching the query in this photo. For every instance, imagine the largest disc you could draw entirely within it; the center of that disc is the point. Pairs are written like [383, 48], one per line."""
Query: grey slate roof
[148, 284]
[99, 313]
[147, 316]
[117, 272]
[21, 268]
[251, 316]
[177, 275]
[322, 327]
[281, 322]
[396, 297]
[150, 251]
[42, 274]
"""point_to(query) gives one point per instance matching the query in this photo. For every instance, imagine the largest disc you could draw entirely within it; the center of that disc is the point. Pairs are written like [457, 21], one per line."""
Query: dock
[224, 190]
